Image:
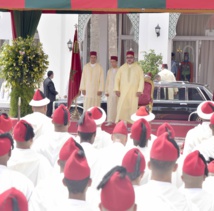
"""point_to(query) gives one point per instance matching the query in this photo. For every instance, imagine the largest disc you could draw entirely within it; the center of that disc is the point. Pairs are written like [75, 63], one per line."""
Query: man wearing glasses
[129, 84]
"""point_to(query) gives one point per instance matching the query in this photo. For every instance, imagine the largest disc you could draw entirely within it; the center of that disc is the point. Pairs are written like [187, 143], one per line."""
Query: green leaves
[23, 63]
[151, 62]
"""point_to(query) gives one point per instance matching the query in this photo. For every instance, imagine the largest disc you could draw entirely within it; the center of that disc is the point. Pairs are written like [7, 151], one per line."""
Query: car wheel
[196, 118]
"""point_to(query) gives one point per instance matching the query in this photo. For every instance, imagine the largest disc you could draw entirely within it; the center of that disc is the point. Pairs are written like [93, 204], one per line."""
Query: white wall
[54, 31]
[148, 38]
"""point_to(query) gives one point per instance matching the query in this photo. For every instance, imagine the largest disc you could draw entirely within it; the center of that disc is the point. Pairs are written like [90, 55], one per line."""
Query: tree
[23, 65]
[151, 62]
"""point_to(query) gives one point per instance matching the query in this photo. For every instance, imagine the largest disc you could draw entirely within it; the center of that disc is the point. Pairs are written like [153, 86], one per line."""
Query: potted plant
[23, 64]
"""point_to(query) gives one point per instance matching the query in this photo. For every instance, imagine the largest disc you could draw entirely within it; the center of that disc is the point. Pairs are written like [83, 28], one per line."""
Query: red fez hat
[212, 119]
[165, 127]
[164, 149]
[76, 167]
[120, 128]
[114, 58]
[5, 123]
[130, 53]
[205, 110]
[5, 143]
[61, 115]
[98, 114]
[13, 199]
[23, 131]
[194, 164]
[67, 149]
[134, 161]
[93, 53]
[39, 99]
[117, 193]
[139, 127]
[86, 123]
[143, 113]
[211, 167]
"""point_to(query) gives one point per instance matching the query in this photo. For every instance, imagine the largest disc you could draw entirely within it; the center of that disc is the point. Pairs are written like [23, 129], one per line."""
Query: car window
[194, 94]
[169, 93]
[205, 94]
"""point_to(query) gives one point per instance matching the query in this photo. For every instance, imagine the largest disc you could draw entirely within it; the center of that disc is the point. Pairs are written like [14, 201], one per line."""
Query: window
[194, 94]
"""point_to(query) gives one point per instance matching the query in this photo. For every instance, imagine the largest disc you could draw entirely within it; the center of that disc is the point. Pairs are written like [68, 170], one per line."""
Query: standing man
[109, 91]
[92, 82]
[129, 85]
[50, 91]
[167, 75]
[174, 67]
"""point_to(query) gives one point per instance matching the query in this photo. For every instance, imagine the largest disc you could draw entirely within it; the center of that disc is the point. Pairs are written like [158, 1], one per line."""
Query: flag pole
[19, 108]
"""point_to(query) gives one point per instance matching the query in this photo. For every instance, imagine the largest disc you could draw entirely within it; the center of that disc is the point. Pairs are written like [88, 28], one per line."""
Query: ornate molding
[173, 20]
[135, 19]
[82, 23]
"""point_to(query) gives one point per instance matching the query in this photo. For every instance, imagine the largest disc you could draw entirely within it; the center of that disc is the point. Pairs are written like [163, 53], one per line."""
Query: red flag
[75, 72]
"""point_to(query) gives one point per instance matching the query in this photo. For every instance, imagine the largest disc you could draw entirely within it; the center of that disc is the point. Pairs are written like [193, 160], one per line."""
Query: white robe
[199, 197]
[167, 75]
[208, 185]
[48, 193]
[33, 165]
[92, 81]
[72, 205]
[112, 98]
[196, 136]
[50, 145]
[155, 191]
[10, 178]
[108, 158]
[41, 124]
[102, 139]
[91, 156]
[206, 148]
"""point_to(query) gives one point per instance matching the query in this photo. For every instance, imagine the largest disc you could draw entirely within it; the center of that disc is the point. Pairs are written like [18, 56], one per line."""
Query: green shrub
[151, 62]
[23, 65]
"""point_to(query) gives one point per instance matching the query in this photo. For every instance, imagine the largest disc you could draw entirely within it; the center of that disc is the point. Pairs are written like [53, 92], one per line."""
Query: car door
[171, 103]
[195, 97]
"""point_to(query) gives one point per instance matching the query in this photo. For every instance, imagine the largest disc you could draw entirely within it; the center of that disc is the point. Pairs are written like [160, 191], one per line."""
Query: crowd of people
[43, 167]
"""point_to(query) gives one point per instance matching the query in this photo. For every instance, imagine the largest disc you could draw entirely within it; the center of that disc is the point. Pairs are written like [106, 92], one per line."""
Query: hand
[107, 94]
[83, 92]
[117, 93]
[99, 93]
[138, 94]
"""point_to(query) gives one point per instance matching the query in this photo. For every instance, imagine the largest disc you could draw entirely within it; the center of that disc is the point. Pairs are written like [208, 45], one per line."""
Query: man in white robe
[129, 85]
[163, 156]
[113, 154]
[38, 119]
[24, 160]
[6, 124]
[202, 131]
[167, 76]
[51, 191]
[102, 138]
[77, 180]
[92, 82]
[87, 132]
[117, 192]
[50, 144]
[194, 173]
[112, 98]
[10, 178]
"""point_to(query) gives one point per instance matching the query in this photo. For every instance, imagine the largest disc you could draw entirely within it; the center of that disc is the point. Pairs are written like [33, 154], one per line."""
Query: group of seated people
[44, 168]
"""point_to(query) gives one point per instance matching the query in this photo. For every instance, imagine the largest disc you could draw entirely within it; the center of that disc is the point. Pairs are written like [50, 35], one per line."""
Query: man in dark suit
[50, 92]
